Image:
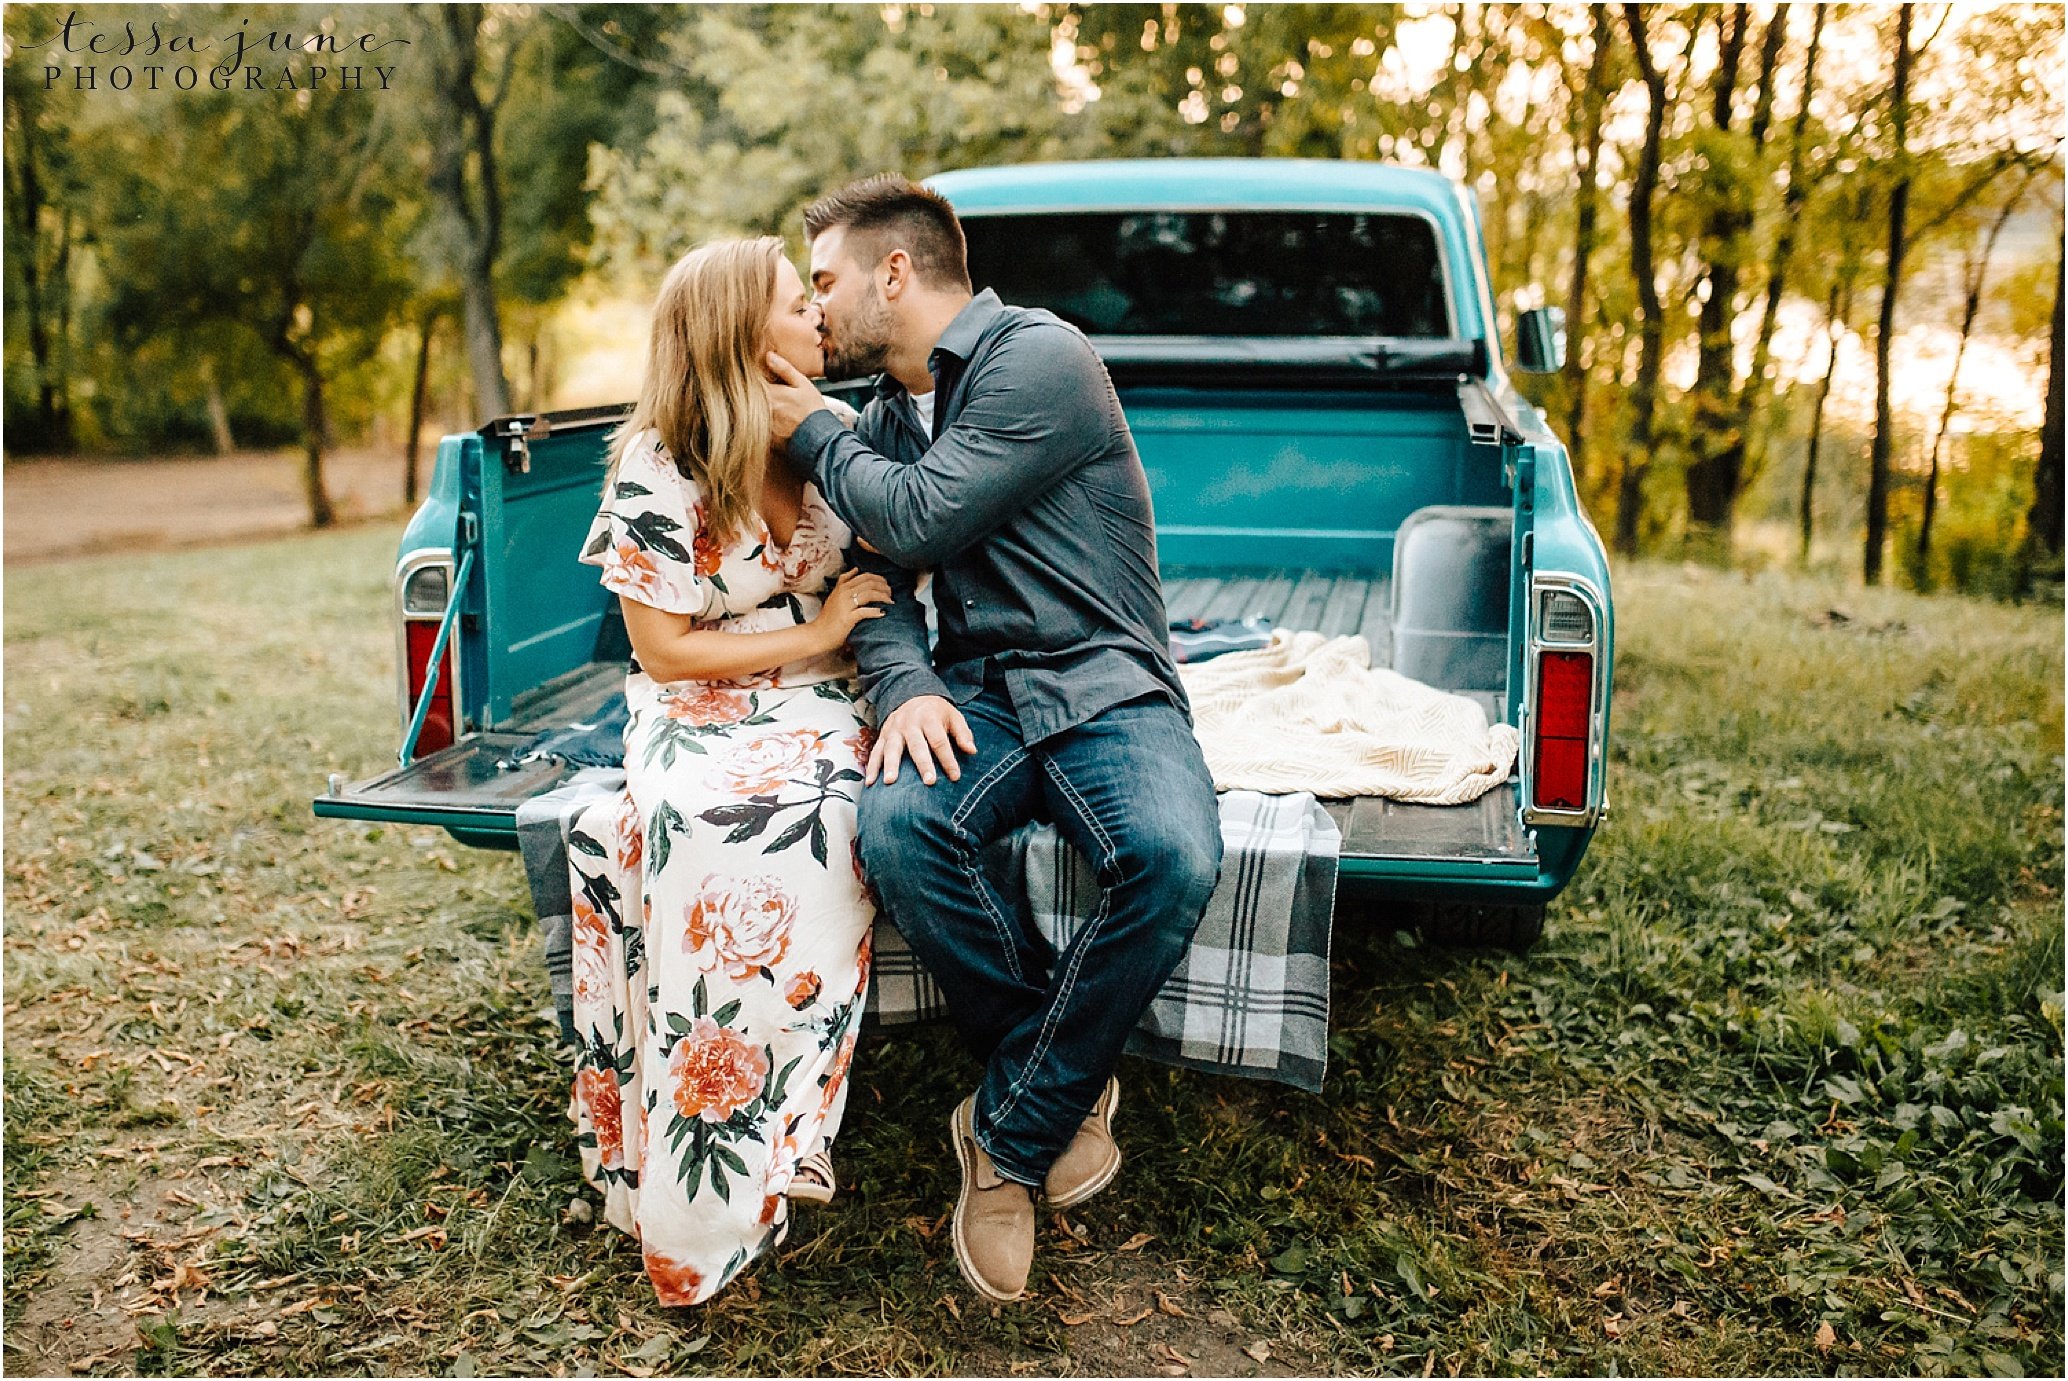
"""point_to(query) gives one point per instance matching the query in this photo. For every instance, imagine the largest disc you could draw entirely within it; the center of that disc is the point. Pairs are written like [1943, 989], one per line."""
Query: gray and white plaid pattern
[1250, 997]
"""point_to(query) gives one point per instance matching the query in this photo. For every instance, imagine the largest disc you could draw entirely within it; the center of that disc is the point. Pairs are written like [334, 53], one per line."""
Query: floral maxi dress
[720, 918]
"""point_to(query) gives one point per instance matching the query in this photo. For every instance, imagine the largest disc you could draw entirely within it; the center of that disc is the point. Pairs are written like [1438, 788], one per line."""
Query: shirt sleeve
[1036, 408]
[649, 536]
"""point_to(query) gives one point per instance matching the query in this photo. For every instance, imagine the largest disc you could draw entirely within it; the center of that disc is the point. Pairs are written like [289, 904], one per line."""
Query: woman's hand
[851, 600]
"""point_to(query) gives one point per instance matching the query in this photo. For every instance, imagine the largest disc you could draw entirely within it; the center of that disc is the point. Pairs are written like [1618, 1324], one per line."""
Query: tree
[43, 187]
[1891, 285]
[465, 178]
[1637, 457]
[295, 249]
[1586, 228]
[1794, 204]
[2043, 524]
[1974, 273]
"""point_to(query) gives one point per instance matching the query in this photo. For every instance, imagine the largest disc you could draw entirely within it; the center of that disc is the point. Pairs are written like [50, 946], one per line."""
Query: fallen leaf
[1827, 1337]
[1166, 1305]
[1259, 1351]
[1072, 1320]
[1613, 1326]
[1132, 1319]
[1137, 1242]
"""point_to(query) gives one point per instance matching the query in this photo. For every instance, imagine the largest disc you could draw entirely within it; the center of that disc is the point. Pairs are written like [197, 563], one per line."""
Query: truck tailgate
[465, 789]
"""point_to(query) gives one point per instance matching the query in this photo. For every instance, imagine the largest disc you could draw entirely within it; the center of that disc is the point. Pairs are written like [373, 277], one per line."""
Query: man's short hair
[890, 211]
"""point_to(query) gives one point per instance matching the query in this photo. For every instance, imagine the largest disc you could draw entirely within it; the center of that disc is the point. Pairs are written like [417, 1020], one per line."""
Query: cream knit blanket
[1311, 713]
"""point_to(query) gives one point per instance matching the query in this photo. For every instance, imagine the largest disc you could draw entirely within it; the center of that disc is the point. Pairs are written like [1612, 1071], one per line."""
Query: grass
[1780, 1092]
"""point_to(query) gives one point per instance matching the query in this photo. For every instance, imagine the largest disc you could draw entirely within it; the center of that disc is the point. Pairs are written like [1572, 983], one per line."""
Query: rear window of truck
[1217, 273]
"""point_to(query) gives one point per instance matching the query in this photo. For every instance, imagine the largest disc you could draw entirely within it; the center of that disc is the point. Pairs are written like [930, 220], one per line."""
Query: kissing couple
[800, 753]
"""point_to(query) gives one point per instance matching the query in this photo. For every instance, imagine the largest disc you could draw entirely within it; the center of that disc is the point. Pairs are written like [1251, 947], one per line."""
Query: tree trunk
[465, 128]
[218, 411]
[1712, 472]
[315, 425]
[1637, 457]
[1585, 233]
[417, 394]
[1792, 204]
[1977, 274]
[2043, 524]
[1891, 287]
[1835, 312]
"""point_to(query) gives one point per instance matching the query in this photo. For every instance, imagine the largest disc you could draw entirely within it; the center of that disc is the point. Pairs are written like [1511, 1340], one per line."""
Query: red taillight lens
[1565, 702]
[418, 636]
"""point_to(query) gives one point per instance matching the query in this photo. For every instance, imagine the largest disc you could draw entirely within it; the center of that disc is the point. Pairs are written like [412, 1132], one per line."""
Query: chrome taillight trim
[1597, 705]
[405, 703]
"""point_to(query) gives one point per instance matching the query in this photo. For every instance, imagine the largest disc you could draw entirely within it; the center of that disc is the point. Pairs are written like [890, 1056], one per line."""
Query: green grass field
[1779, 1093]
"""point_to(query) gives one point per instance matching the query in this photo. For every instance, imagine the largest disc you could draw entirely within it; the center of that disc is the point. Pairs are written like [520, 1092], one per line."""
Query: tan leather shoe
[1091, 1160]
[994, 1218]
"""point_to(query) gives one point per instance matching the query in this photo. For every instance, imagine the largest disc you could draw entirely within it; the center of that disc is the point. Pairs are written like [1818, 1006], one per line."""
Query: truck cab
[1306, 352]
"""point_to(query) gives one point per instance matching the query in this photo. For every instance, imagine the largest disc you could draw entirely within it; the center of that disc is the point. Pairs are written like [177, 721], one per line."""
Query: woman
[721, 922]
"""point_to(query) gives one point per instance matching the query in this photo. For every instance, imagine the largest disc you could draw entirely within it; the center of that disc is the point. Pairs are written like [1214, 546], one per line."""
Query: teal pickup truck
[1308, 356]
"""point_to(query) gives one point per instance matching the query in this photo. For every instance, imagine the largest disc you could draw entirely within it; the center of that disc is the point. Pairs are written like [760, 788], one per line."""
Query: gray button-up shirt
[1030, 506]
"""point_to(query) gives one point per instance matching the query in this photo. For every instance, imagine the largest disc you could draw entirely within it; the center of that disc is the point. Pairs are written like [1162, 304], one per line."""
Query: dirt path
[58, 508]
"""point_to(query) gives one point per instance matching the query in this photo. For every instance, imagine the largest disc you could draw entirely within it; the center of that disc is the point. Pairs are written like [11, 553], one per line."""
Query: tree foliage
[1710, 202]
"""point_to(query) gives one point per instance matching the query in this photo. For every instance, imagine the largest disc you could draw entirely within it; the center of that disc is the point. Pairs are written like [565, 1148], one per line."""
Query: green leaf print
[717, 580]
[626, 489]
[724, 1015]
[832, 690]
[577, 840]
[719, 1181]
[649, 532]
[699, 999]
[598, 544]
[782, 1081]
[732, 1161]
[796, 831]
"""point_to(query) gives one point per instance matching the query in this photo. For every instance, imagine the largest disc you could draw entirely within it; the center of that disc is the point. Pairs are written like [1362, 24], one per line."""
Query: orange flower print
[591, 955]
[701, 704]
[597, 1091]
[704, 547]
[742, 924]
[630, 571]
[630, 836]
[715, 1071]
[803, 990]
[769, 761]
[862, 741]
[675, 1282]
[840, 1066]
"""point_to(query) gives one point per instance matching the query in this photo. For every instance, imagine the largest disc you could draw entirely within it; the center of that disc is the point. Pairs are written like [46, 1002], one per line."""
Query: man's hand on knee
[928, 727]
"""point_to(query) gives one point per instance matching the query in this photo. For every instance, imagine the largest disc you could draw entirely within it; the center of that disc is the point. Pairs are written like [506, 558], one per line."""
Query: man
[995, 454]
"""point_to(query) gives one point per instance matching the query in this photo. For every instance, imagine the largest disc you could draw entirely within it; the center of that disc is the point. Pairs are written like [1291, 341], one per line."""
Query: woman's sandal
[813, 1182]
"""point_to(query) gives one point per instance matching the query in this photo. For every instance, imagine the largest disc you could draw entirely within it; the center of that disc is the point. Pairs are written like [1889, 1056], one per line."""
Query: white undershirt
[923, 403]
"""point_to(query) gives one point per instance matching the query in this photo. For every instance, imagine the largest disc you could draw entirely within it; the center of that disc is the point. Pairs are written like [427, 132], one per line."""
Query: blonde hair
[703, 388]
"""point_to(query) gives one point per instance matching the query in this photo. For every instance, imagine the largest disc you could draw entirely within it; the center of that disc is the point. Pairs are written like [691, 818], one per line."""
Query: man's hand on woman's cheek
[791, 398]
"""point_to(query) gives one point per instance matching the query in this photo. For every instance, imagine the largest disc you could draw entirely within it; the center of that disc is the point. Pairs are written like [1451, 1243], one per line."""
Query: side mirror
[1540, 341]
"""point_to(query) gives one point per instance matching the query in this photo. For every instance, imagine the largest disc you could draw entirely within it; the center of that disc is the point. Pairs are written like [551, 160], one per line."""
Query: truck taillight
[1564, 715]
[418, 636]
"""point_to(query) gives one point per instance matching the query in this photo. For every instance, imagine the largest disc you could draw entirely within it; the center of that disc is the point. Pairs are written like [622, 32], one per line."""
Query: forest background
[1811, 255]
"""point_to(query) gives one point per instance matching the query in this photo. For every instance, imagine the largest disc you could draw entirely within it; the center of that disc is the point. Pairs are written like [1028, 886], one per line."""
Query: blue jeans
[1130, 791]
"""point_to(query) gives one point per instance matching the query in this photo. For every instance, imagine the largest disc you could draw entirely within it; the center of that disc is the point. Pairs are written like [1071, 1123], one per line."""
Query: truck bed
[1484, 838]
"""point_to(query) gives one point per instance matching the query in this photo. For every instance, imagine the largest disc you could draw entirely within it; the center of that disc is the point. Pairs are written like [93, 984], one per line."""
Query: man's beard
[863, 347]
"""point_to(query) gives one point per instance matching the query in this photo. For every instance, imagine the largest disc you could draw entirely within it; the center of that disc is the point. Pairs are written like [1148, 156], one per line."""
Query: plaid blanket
[1250, 997]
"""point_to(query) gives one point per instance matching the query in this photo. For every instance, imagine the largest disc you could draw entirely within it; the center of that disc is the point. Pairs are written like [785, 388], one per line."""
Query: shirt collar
[959, 340]
[968, 327]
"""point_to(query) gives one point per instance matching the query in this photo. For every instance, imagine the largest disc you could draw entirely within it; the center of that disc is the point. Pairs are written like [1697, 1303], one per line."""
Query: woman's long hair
[703, 389]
